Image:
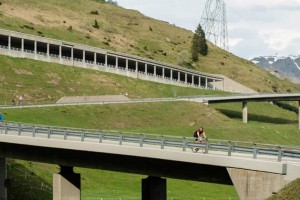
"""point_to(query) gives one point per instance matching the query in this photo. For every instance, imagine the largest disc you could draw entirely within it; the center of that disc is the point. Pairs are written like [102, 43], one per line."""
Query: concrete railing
[161, 141]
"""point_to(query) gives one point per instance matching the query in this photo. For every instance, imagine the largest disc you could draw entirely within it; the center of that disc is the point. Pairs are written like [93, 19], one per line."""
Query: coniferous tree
[203, 48]
[195, 48]
[199, 44]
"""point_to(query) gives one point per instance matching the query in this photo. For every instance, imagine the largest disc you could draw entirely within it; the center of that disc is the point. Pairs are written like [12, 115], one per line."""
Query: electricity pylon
[214, 23]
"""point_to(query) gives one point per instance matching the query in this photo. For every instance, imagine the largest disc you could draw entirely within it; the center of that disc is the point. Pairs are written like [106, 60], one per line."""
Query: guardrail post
[279, 154]
[100, 137]
[49, 132]
[6, 129]
[206, 146]
[229, 148]
[65, 134]
[162, 142]
[82, 136]
[120, 139]
[254, 151]
[19, 129]
[184, 143]
[33, 131]
[142, 138]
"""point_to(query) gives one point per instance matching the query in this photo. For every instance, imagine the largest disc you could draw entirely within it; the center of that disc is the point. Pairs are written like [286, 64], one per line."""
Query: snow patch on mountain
[281, 66]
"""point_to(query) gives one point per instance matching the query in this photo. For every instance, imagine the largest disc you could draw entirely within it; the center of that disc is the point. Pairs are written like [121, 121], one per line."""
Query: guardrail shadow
[257, 118]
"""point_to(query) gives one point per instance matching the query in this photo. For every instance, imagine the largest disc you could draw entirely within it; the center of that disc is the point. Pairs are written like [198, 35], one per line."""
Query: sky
[255, 27]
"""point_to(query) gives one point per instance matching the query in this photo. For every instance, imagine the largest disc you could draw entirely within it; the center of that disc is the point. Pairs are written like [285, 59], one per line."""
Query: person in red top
[198, 134]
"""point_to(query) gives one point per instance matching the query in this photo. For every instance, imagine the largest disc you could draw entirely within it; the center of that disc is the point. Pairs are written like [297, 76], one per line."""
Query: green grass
[41, 82]
[267, 123]
[131, 34]
[29, 181]
[289, 192]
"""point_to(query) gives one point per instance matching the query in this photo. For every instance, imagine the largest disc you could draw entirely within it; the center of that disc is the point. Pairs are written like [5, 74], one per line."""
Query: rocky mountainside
[283, 67]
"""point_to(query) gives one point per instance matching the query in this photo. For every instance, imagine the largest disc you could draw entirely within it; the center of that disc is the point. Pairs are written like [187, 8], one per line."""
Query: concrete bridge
[22, 45]
[253, 98]
[256, 170]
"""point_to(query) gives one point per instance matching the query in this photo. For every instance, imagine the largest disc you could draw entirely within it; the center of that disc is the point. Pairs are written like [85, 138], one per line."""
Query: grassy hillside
[130, 32]
[46, 82]
[267, 123]
[289, 192]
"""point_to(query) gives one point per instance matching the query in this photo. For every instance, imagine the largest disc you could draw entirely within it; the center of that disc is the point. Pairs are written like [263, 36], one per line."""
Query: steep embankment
[130, 32]
[40, 82]
[289, 192]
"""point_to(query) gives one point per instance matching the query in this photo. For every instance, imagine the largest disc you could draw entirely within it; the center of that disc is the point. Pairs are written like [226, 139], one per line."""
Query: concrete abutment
[256, 185]
[245, 112]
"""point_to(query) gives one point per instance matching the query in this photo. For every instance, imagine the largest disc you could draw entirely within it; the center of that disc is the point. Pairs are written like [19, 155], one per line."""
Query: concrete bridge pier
[245, 112]
[66, 184]
[154, 188]
[3, 177]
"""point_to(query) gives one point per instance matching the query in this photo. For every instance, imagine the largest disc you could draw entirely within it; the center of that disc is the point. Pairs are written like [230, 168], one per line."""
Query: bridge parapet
[212, 146]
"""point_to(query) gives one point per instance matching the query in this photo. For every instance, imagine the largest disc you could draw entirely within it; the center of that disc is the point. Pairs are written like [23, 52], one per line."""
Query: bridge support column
[256, 185]
[60, 53]
[22, 45]
[106, 60]
[48, 50]
[154, 188]
[117, 62]
[193, 79]
[3, 177]
[35, 47]
[66, 184]
[72, 55]
[245, 112]
[83, 57]
[9, 43]
[199, 84]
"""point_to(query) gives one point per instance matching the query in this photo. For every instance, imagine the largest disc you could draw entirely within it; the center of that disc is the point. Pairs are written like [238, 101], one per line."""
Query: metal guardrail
[225, 146]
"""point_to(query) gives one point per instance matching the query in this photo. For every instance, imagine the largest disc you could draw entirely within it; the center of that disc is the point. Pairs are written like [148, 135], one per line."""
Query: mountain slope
[130, 32]
[284, 67]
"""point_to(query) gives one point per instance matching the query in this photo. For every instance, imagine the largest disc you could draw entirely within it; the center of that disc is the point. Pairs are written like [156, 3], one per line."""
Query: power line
[214, 23]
